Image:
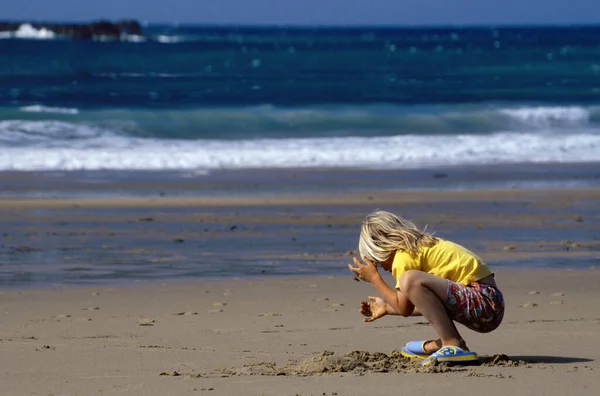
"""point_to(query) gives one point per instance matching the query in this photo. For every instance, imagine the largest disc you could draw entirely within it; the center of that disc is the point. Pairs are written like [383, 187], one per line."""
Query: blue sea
[246, 111]
[207, 98]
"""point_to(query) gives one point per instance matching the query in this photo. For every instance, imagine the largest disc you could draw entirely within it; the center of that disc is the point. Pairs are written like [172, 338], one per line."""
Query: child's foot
[435, 345]
[451, 355]
[424, 349]
[432, 346]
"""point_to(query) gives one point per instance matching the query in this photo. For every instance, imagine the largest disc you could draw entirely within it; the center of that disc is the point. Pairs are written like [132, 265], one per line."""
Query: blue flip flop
[453, 355]
[415, 349]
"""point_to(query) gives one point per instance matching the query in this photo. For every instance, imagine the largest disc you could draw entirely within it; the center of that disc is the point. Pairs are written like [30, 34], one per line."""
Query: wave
[54, 134]
[48, 109]
[27, 31]
[166, 39]
[42, 137]
[129, 38]
[546, 117]
[56, 145]
[277, 122]
[400, 152]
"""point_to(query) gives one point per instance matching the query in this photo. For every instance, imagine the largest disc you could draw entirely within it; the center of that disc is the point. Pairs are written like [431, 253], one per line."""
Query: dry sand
[293, 336]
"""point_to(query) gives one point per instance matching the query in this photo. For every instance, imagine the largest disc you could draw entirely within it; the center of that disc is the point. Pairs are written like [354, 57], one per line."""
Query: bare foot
[432, 346]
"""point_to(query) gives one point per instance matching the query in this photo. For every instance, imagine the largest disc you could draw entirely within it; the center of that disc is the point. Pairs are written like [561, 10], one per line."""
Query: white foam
[133, 38]
[49, 134]
[27, 31]
[48, 109]
[103, 151]
[545, 117]
[168, 39]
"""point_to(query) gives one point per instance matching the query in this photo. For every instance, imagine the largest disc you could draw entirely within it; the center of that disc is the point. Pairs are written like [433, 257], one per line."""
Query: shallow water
[92, 246]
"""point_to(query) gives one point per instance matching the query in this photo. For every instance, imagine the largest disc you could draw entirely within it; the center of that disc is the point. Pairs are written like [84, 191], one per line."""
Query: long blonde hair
[383, 233]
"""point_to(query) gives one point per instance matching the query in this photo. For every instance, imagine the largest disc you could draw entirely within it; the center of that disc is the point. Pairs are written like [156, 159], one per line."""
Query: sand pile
[359, 363]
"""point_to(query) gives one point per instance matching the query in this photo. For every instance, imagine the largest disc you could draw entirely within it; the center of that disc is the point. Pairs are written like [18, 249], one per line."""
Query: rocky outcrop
[87, 31]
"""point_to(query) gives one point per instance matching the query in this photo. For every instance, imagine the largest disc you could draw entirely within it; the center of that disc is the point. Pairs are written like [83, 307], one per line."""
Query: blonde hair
[383, 233]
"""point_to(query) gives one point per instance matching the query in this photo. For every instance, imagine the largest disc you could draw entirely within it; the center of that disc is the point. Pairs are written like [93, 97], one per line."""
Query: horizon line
[314, 25]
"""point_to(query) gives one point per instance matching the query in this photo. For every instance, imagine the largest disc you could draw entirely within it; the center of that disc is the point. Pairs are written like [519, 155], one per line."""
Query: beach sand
[291, 335]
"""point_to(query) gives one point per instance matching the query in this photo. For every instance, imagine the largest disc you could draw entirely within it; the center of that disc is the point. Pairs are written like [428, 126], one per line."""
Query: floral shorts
[478, 306]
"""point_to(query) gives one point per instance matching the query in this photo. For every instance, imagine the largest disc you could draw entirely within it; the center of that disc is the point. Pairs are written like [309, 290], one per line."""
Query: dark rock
[85, 31]
[9, 26]
[130, 27]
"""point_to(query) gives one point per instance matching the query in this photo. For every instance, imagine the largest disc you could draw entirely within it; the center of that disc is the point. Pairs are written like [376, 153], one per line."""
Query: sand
[287, 336]
[291, 335]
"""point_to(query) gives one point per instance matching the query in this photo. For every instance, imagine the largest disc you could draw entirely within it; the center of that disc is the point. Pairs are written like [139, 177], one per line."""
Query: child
[435, 278]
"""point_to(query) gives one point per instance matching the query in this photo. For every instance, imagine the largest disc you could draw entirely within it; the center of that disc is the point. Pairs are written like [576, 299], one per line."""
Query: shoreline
[253, 183]
[115, 240]
[362, 198]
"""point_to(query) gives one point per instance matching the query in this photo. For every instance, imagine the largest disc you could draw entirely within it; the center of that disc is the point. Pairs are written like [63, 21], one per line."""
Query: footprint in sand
[170, 373]
[528, 305]
[219, 304]
[146, 322]
[558, 294]
[215, 311]
[533, 292]
[187, 313]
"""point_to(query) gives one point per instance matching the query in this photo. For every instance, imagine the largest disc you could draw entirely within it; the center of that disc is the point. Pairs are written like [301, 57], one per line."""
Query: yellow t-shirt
[444, 259]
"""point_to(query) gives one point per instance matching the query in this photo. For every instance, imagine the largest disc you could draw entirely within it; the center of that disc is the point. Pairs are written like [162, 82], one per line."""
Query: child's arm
[377, 308]
[397, 301]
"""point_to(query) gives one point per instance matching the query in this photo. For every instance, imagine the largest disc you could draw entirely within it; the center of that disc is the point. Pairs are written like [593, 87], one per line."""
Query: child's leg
[428, 293]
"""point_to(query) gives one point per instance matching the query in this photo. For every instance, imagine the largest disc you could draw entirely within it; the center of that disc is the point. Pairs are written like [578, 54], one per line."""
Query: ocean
[246, 111]
[197, 98]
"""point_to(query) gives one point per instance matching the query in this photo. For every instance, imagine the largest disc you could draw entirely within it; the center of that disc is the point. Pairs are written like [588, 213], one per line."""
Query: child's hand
[364, 272]
[374, 309]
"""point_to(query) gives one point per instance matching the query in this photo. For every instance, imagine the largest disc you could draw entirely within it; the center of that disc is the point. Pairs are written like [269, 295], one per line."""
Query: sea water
[202, 98]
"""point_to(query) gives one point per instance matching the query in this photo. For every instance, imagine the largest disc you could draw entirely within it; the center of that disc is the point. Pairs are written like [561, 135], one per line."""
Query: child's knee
[409, 280]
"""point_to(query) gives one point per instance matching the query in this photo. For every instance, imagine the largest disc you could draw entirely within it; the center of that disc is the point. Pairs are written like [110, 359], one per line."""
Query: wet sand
[107, 240]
